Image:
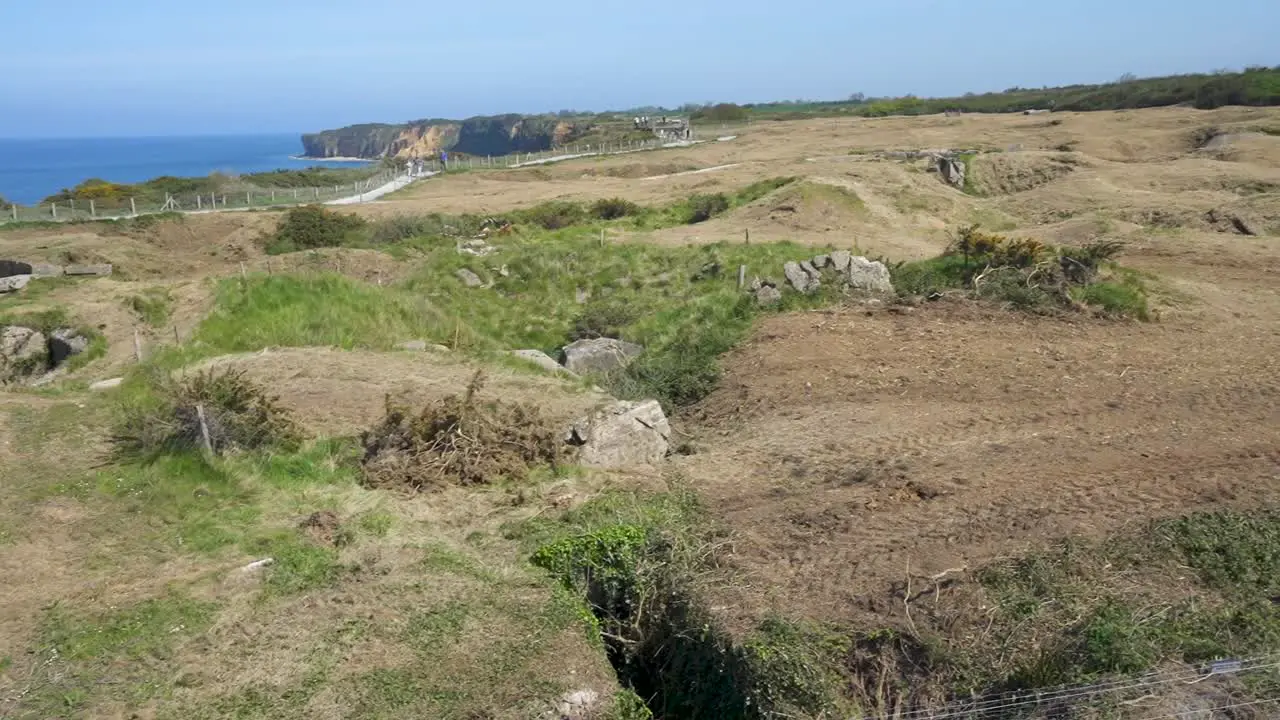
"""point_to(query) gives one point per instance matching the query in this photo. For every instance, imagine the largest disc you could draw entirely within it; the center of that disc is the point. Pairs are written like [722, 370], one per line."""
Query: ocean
[31, 170]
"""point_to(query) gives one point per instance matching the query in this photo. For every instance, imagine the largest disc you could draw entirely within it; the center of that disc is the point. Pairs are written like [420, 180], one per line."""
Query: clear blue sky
[145, 67]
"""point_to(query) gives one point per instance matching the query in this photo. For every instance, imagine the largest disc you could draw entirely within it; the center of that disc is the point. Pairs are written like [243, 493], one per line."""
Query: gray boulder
[109, 384]
[413, 345]
[469, 278]
[40, 270]
[599, 355]
[821, 261]
[952, 171]
[768, 295]
[840, 260]
[869, 275]
[22, 352]
[541, 359]
[65, 343]
[625, 434]
[88, 270]
[13, 283]
[796, 275]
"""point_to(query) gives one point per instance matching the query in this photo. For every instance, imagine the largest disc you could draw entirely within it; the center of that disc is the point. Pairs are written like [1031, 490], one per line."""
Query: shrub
[757, 190]
[459, 440]
[704, 207]
[238, 413]
[605, 318]
[1080, 265]
[312, 226]
[614, 208]
[553, 215]
[153, 306]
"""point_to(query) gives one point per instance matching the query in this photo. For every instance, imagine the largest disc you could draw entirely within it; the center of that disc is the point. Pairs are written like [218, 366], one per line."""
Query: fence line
[250, 198]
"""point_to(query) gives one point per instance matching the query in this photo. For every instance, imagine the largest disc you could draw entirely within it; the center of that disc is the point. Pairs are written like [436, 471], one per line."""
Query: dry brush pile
[461, 440]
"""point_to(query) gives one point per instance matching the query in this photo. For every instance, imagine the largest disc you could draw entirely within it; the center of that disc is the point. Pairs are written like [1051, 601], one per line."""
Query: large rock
[469, 278]
[88, 269]
[22, 352]
[13, 283]
[768, 295]
[625, 434]
[869, 275]
[40, 270]
[840, 260]
[797, 276]
[541, 359]
[64, 344]
[109, 384]
[599, 355]
[952, 171]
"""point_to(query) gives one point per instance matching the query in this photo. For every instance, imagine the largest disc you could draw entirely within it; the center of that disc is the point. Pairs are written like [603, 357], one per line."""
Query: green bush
[759, 189]
[312, 226]
[605, 318]
[701, 208]
[613, 208]
[553, 215]
[235, 412]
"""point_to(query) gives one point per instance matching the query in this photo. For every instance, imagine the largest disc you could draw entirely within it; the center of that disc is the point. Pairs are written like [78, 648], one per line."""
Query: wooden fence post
[133, 207]
[204, 429]
[742, 276]
[53, 207]
[93, 210]
[137, 345]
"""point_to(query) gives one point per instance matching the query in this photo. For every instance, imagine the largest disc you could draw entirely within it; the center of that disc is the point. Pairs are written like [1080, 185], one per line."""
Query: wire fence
[1135, 693]
[251, 198]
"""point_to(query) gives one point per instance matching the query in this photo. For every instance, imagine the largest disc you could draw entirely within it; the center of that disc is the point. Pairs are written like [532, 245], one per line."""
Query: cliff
[492, 135]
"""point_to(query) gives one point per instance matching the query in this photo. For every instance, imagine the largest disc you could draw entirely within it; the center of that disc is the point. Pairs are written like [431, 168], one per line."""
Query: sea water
[31, 170]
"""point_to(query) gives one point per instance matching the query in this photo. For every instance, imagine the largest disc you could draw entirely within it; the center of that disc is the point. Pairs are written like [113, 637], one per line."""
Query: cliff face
[491, 135]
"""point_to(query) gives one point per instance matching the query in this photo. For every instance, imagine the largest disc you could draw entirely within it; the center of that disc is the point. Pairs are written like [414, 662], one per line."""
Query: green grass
[152, 306]
[1118, 298]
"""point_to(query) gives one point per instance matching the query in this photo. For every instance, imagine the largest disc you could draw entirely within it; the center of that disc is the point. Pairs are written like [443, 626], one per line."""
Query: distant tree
[722, 113]
[857, 98]
[1126, 78]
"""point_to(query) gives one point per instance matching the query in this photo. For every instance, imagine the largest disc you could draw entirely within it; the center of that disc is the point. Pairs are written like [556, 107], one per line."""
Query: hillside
[1035, 474]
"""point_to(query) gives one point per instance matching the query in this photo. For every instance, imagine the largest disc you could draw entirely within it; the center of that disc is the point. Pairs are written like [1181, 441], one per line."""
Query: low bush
[236, 412]
[459, 440]
[554, 215]
[312, 226]
[700, 208]
[757, 190]
[606, 317]
[613, 208]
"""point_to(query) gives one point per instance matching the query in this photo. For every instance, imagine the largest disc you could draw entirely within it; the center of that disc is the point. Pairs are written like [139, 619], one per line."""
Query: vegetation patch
[220, 411]
[459, 440]
[152, 306]
[1028, 275]
[310, 227]
[637, 565]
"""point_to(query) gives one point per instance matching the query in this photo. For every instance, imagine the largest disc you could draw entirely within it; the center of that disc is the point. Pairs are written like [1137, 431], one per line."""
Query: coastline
[307, 158]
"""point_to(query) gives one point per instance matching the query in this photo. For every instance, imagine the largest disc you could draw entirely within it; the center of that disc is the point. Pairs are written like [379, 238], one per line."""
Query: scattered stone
[768, 296]
[65, 343]
[808, 267]
[540, 359]
[42, 270]
[13, 283]
[624, 434]
[869, 275]
[599, 355]
[503, 271]
[109, 384]
[22, 352]
[476, 247]
[412, 345]
[840, 260]
[708, 271]
[821, 261]
[798, 278]
[469, 278]
[15, 267]
[102, 270]
[578, 705]
[755, 284]
[952, 171]
[257, 565]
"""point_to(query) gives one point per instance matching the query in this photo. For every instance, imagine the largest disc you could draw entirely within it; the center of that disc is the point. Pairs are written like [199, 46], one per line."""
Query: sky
[89, 68]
